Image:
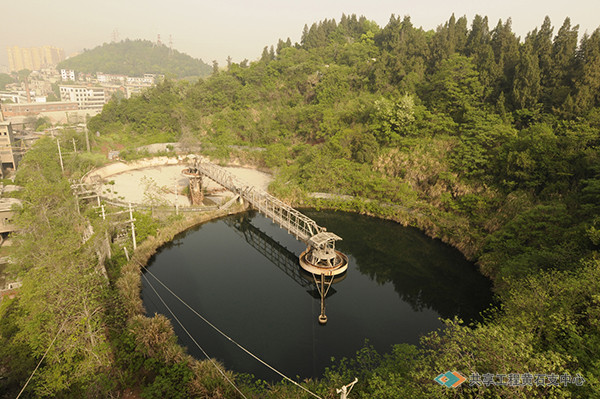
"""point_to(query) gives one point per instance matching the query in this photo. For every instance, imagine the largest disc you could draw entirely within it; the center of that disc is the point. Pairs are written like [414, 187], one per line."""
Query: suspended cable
[41, 360]
[192, 338]
[226, 336]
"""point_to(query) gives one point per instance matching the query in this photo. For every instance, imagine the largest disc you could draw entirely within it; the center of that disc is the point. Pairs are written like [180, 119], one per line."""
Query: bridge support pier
[196, 195]
[195, 186]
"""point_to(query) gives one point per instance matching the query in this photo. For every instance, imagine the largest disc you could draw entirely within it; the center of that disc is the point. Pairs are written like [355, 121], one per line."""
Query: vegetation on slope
[135, 58]
[483, 140]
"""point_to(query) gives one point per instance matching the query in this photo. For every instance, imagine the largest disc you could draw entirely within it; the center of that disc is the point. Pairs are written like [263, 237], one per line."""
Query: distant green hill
[136, 57]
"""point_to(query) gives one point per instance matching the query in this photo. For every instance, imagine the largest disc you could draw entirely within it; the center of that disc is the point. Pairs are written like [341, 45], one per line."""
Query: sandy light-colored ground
[158, 185]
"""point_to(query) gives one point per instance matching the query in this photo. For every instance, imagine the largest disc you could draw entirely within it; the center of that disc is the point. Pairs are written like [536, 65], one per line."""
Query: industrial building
[32, 109]
[9, 155]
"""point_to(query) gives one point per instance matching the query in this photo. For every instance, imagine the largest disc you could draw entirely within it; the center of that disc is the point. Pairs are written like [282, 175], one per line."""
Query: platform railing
[300, 226]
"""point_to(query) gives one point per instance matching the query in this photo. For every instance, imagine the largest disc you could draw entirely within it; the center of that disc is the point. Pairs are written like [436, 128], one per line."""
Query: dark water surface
[398, 284]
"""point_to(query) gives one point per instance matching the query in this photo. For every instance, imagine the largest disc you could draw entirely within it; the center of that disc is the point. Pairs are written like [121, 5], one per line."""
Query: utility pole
[132, 227]
[176, 198]
[77, 202]
[345, 390]
[62, 167]
[74, 146]
[87, 137]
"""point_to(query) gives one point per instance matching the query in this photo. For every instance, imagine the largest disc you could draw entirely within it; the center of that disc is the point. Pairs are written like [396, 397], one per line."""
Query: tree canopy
[136, 57]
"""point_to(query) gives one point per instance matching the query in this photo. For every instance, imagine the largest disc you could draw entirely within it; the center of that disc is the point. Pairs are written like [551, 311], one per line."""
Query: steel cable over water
[190, 335]
[225, 335]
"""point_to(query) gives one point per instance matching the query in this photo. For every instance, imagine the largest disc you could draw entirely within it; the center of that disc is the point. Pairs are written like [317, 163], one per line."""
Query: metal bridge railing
[300, 226]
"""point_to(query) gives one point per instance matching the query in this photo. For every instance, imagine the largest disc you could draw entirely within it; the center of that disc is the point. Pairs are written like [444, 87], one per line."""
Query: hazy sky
[215, 29]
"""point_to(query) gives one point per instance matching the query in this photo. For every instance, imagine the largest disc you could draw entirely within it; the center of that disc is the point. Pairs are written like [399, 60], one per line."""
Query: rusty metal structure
[195, 178]
[321, 259]
[320, 256]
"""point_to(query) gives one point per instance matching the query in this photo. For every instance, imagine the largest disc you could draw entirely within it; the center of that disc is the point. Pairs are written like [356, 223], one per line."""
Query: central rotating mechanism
[321, 257]
[322, 260]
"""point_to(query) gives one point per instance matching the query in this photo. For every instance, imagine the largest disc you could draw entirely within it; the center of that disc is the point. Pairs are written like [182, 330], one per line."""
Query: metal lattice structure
[279, 255]
[300, 226]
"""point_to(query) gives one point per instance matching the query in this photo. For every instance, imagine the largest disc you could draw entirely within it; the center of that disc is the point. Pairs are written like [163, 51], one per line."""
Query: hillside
[477, 137]
[136, 57]
[482, 139]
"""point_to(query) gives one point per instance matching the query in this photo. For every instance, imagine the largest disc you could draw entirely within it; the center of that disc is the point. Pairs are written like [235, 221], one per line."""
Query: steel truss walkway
[300, 226]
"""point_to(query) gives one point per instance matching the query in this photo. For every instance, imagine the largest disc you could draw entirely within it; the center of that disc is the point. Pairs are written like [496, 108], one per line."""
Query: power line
[190, 335]
[225, 335]
[41, 360]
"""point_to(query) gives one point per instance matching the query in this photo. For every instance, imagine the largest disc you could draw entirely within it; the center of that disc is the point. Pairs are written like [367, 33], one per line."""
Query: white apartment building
[146, 80]
[20, 96]
[67, 74]
[85, 97]
[108, 78]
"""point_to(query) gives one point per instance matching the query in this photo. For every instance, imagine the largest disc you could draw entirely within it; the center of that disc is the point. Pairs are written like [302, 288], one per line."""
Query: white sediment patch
[162, 184]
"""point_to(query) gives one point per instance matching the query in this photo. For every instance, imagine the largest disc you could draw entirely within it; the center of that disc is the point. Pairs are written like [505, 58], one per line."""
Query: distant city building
[32, 109]
[86, 97]
[110, 90]
[20, 96]
[146, 80]
[108, 78]
[131, 91]
[85, 77]
[67, 74]
[8, 155]
[33, 58]
[13, 97]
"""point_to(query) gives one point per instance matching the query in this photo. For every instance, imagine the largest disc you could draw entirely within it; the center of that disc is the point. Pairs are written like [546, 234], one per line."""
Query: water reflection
[425, 273]
[280, 256]
[397, 285]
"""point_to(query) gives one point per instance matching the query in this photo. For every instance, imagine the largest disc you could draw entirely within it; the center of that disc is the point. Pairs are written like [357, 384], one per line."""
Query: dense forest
[481, 138]
[135, 58]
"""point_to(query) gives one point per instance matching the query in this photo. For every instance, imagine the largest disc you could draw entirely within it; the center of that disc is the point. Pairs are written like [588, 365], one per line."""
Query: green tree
[390, 119]
[506, 54]
[455, 88]
[526, 85]
[448, 39]
[542, 46]
[64, 292]
[401, 65]
[563, 60]
[136, 57]
[4, 80]
[588, 79]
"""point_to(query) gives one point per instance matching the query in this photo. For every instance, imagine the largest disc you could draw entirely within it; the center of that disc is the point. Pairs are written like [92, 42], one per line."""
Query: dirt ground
[164, 185]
